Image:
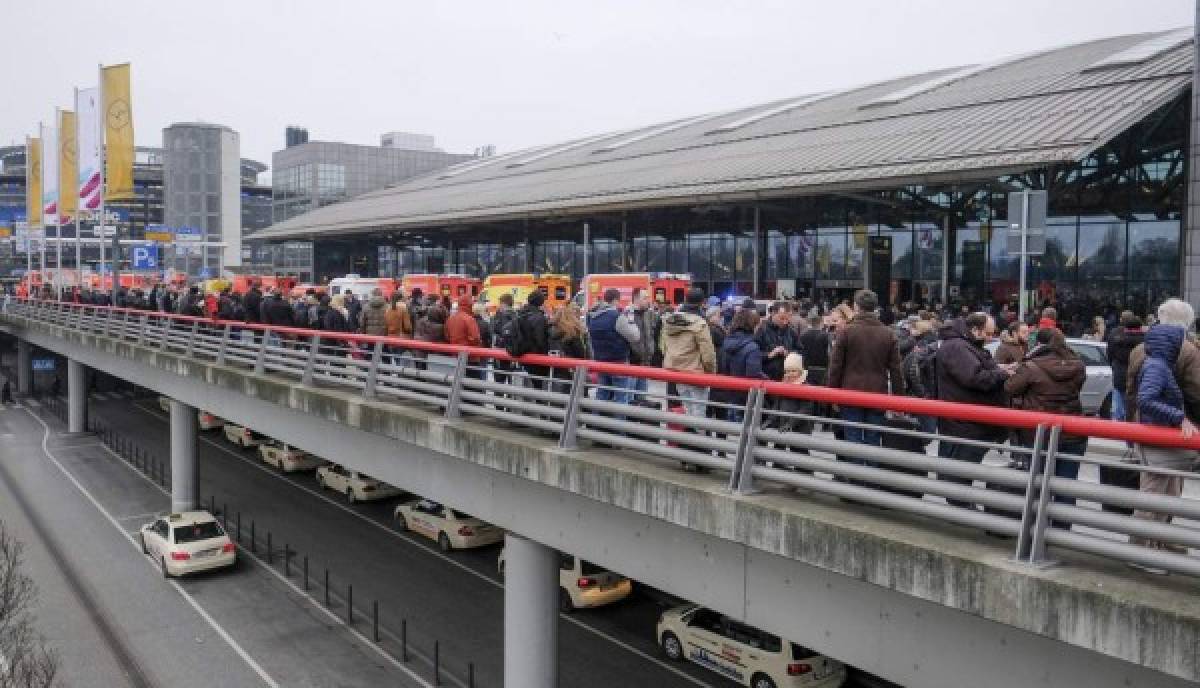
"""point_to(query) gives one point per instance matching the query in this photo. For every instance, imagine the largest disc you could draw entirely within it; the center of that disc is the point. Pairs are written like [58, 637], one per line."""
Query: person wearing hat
[687, 347]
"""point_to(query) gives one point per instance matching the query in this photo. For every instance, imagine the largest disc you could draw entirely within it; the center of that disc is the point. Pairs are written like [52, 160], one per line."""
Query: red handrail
[973, 413]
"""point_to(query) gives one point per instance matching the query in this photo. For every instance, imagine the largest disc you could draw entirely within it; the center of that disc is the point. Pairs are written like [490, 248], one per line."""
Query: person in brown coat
[398, 319]
[1013, 343]
[461, 328]
[865, 358]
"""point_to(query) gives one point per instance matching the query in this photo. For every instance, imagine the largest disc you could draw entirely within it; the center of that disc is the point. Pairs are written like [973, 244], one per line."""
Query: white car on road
[243, 436]
[451, 529]
[583, 585]
[358, 487]
[187, 542]
[288, 458]
[206, 420]
[742, 653]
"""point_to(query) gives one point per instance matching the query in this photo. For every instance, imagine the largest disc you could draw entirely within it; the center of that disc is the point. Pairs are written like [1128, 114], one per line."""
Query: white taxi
[208, 421]
[243, 436]
[164, 403]
[358, 487]
[187, 542]
[288, 458]
[583, 585]
[452, 529]
[747, 655]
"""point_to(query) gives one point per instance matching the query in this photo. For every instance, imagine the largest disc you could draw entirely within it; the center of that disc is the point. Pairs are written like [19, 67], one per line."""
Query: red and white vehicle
[665, 288]
[362, 287]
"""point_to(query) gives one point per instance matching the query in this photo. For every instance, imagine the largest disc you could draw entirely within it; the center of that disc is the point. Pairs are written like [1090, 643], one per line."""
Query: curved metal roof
[1045, 107]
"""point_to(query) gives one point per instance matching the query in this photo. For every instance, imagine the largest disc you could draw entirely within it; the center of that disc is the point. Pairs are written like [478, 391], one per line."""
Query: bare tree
[25, 659]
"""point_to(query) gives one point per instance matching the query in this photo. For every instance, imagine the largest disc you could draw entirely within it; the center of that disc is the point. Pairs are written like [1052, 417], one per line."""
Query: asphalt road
[455, 598]
[115, 622]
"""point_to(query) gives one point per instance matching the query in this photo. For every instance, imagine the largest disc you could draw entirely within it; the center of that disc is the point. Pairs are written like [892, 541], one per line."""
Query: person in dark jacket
[432, 327]
[354, 311]
[479, 312]
[276, 311]
[1160, 402]
[716, 325]
[225, 309]
[567, 339]
[776, 339]
[334, 319]
[612, 334]
[1013, 343]
[967, 374]
[534, 335]
[740, 357]
[814, 347]
[865, 359]
[252, 303]
[1050, 379]
[1122, 341]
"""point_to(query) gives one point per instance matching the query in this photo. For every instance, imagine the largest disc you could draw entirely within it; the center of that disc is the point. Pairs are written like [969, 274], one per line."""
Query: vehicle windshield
[800, 652]
[587, 568]
[198, 531]
[1091, 355]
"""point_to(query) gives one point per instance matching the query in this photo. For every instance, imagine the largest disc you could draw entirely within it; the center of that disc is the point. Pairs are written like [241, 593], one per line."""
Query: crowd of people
[857, 345]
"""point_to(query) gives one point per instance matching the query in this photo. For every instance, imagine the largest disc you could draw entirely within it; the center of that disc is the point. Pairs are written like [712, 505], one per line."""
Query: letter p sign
[145, 257]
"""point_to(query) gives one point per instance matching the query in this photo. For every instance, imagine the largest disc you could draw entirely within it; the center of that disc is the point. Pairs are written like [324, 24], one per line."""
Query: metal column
[185, 473]
[24, 367]
[530, 613]
[1191, 234]
[76, 396]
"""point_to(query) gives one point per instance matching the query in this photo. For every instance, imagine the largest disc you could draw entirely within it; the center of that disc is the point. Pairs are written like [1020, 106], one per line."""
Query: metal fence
[753, 433]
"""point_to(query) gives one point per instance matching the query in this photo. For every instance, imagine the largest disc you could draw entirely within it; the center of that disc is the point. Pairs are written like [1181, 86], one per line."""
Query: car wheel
[671, 647]
[565, 605]
[145, 549]
[761, 681]
[444, 542]
[349, 495]
[401, 522]
[162, 565]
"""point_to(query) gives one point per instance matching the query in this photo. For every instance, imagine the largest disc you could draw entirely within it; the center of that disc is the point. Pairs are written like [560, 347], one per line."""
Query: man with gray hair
[1177, 313]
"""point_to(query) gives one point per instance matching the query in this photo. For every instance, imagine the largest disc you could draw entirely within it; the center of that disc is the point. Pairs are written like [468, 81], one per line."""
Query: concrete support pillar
[530, 613]
[185, 473]
[24, 367]
[76, 396]
[1191, 229]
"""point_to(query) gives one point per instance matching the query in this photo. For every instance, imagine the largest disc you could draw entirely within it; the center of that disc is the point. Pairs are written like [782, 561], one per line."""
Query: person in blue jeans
[865, 358]
[612, 333]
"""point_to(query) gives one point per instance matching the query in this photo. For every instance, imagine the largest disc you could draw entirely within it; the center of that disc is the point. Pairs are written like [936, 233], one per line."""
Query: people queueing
[687, 346]
[612, 334]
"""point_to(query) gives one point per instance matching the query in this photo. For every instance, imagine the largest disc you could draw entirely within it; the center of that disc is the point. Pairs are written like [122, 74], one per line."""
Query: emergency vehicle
[666, 288]
[454, 286]
[363, 286]
[557, 289]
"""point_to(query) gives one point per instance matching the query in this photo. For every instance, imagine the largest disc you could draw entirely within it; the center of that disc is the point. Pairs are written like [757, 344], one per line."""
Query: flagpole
[78, 203]
[42, 166]
[100, 144]
[28, 247]
[58, 203]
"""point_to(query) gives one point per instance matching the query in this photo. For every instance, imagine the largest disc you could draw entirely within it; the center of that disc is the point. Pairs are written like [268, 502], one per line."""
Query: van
[667, 289]
[557, 289]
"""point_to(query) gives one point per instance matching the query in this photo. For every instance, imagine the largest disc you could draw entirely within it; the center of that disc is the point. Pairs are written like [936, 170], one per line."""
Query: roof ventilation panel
[1144, 51]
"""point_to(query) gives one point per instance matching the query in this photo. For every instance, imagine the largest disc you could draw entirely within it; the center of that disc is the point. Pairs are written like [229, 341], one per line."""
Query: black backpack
[512, 336]
[926, 359]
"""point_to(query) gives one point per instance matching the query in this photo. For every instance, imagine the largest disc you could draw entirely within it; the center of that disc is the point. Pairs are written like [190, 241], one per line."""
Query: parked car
[1096, 395]
[243, 436]
[288, 458]
[187, 542]
[583, 585]
[451, 529]
[208, 421]
[745, 654]
[358, 487]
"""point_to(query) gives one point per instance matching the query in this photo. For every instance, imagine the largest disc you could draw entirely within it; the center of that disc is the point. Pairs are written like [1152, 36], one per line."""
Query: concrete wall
[921, 605]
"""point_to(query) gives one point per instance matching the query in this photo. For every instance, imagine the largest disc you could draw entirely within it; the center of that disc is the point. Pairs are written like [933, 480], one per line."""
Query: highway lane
[456, 598]
[239, 627]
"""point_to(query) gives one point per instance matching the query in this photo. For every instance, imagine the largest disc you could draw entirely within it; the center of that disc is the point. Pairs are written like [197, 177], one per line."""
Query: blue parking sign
[145, 257]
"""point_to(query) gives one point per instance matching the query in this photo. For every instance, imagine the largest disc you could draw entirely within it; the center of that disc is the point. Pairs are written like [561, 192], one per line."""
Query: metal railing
[747, 435]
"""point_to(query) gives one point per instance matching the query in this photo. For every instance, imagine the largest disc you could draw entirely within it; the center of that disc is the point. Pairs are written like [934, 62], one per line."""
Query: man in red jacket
[461, 329]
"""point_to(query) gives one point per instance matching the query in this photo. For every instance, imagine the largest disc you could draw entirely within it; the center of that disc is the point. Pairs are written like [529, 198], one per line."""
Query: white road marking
[33, 402]
[411, 541]
[140, 517]
[310, 599]
[115, 524]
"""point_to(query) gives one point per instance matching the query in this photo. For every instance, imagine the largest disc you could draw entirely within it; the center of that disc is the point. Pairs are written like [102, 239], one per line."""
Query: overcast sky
[510, 73]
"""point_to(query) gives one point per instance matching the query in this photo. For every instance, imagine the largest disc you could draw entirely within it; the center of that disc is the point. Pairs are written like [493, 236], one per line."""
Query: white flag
[50, 175]
[87, 109]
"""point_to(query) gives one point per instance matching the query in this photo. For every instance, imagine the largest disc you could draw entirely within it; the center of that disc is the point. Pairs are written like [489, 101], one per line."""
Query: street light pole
[1024, 255]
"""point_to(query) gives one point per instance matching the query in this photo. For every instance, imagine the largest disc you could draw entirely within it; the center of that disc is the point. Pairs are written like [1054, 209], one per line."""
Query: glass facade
[1113, 237]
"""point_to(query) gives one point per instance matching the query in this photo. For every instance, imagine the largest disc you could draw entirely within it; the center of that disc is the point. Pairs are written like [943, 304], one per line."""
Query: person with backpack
[918, 370]
[688, 347]
[1121, 343]
[612, 334]
[964, 372]
[531, 335]
[252, 303]
[504, 324]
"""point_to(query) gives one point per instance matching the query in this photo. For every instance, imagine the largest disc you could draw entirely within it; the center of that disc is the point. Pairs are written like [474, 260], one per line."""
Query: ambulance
[241, 283]
[557, 289]
[666, 288]
[454, 286]
[363, 286]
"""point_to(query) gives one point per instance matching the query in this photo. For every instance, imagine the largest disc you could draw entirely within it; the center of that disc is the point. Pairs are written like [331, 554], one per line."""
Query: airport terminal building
[900, 184]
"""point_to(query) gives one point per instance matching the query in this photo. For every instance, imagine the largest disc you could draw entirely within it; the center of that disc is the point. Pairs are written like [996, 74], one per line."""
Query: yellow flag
[33, 181]
[118, 132]
[68, 162]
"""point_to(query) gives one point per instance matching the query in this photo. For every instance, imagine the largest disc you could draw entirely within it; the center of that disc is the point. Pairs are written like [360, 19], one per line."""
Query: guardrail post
[225, 336]
[141, 336]
[568, 439]
[1024, 537]
[124, 323]
[460, 372]
[260, 362]
[373, 370]
[166, 332]
[314, 346]
[108, 318]
[741, 478]
[191, 343]
[1037, 551]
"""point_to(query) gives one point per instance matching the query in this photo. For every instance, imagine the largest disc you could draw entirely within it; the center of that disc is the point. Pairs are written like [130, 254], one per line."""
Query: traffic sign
[1031, 218]
[145, 257]
[189, 234]
[161, 233]
[104, 230]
